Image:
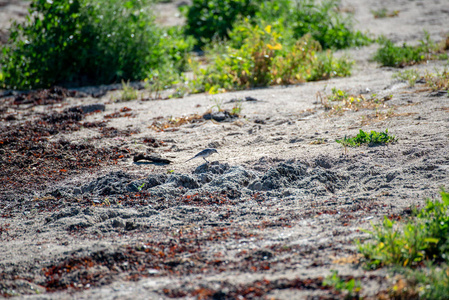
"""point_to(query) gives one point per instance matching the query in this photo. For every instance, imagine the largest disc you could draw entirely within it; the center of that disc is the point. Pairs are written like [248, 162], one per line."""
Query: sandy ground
[273, 213]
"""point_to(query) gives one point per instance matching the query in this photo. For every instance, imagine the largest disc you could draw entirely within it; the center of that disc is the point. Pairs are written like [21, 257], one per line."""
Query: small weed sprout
[323, 100]
[346, 142]
[181, 90]
[438, 80]
[350, 287]
[384, 13]
[318, 142]
[338, 95]
[139, 188]
[411, 76]
[371, 139]
[236, 109]
[429, 46]
[128, 92]
[218, 104]
[340, 101]
[156, 83]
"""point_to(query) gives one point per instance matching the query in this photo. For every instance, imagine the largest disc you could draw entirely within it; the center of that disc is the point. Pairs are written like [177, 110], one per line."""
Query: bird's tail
[190, 159]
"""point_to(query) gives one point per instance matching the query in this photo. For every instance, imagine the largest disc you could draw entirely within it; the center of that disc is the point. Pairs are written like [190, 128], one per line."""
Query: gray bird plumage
[205, 153]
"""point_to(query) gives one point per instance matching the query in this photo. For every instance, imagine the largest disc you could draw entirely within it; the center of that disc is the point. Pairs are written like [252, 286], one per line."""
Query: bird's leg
[205, 159]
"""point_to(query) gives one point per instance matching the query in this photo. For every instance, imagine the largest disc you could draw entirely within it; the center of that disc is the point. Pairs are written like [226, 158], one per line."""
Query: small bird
[205, 153]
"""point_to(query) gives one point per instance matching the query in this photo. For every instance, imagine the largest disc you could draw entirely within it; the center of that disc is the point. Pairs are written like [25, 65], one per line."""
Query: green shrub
[211, 19]
[261, 60]
[178, 48]
[274, 12]
[79, 42]
[429, 283]
[418, 249]
[326, 24]
[239, 68]
[394, 246]
[436, 221]
[393, 56]
[425, 237]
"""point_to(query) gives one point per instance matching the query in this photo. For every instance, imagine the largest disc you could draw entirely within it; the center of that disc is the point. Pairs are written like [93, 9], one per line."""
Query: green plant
[318, 141]
[241, 68]
[350, 287]
[262, 60]
[322, 19]
[411, 76]
[436, 221]
[293, 64]
[431, 282]
[372, 138]
[384, 13]
[340, 101]
[338, 95]
[128, 92]
[178, 48]
[80, 42]
[325, 23]
[438, 80]
[393, 246]
[139, 188]
[159, 80]
[180, 91]
[236, 109]
[218, 104]
[211, 19]
[393, 56]
[425, 237]
[106, 202]
[429, 47]
[327, 66]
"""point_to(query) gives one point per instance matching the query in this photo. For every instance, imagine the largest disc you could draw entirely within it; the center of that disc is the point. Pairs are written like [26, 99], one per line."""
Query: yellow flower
[268, 29]
[275, 47]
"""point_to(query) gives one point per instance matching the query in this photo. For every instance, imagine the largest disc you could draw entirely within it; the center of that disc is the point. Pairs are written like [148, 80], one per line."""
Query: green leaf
[431, 240]
[388, 223]
[444, 197]
[128, 5]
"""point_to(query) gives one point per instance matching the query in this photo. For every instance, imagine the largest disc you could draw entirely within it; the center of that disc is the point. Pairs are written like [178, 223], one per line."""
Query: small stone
[255, 185]
[116, 223]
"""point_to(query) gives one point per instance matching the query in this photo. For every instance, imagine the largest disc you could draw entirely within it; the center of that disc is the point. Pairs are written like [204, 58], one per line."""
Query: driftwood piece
[142, 158]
